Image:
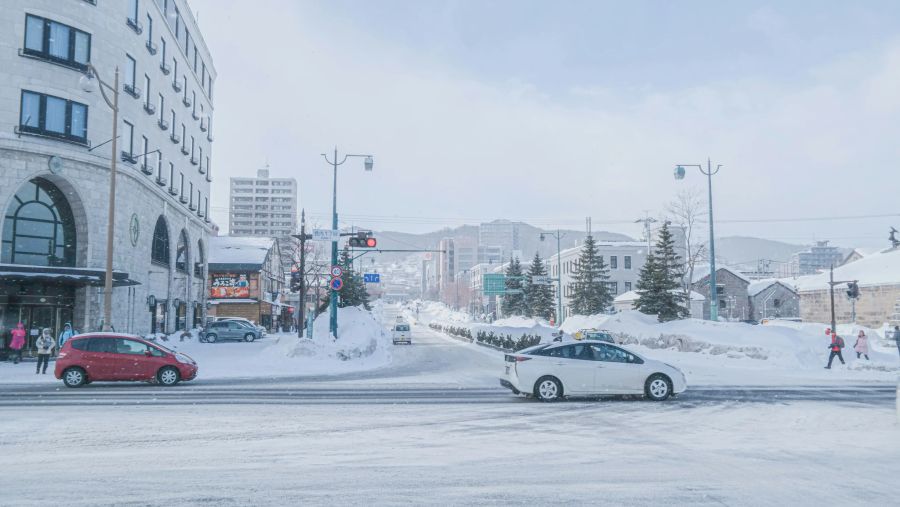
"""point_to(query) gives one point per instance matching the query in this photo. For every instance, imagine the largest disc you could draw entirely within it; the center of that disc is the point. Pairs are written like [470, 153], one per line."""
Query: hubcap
[659, 388]
[168, 377]
[548, 389]
[74, 377]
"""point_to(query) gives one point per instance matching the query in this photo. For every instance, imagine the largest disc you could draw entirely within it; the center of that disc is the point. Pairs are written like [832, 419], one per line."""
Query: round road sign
[336, 284]
[337, 271]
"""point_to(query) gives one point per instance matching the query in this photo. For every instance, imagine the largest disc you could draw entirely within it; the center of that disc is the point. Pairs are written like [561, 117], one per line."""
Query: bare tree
[687, 211]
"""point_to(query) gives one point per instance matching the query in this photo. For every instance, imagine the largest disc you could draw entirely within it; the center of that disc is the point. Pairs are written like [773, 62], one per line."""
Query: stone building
[773, 299]
[731, 291]
[878, 276]
[245, 280]
[55, 159]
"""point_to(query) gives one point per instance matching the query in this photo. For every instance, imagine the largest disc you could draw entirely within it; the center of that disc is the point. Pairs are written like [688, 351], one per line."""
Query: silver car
[229, 330]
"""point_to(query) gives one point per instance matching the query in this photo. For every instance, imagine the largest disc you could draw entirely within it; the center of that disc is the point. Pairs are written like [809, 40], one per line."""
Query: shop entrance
[36, 312]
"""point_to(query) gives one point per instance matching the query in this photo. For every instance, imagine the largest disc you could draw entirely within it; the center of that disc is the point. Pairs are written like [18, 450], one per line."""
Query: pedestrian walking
[18, 342]
[45, 345]
[64, 335]
[897, 337]
[837, 343]
[862, 345]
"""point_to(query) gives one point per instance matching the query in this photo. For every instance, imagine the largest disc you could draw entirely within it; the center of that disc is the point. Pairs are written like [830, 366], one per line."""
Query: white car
[401, 333]
[588, 368]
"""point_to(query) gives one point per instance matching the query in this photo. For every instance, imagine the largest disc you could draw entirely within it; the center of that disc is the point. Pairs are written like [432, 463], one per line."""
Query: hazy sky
[548, 112]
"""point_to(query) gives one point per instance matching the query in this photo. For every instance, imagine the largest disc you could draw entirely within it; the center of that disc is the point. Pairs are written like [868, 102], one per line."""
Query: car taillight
[520, 359]
[515, 359]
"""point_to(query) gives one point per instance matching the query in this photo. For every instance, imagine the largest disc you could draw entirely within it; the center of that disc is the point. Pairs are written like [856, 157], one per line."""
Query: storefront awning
[14, 273]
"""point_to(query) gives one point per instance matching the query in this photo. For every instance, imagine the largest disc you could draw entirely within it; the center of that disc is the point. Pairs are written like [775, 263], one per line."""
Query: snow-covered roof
[758, 286]
[882, 268]
[631, 296]
[239, 249]
[568, 252]
[701, 271]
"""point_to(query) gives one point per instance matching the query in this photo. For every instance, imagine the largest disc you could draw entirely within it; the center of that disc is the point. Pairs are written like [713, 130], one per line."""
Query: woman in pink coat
[862, 345]
[18, 341]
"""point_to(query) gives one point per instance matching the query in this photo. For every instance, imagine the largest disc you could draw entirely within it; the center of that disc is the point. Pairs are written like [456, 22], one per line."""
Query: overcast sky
[548, 112]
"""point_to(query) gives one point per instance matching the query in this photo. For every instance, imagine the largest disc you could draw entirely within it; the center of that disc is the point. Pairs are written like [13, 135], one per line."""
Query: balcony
[203, 126]
[183, 199]
[129, 157]
[195, 115]
[132, 90]
[163, 124]
[151, 47]
[135, 25]
[150, 108]
[146, 169]
[173, 190]
[202, 169]
[176, 85]
[184, 150]
[175, 138]
[161, 181]
[165, 68]
[187, 101]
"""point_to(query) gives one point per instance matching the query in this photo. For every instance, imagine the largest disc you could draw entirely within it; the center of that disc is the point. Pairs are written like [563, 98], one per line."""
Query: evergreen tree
[590, 294]
[660, 281]
[354, 292]
[514, 299]
[538, 298]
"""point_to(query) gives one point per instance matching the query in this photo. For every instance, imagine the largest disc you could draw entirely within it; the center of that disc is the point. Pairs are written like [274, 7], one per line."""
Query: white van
[402, 333]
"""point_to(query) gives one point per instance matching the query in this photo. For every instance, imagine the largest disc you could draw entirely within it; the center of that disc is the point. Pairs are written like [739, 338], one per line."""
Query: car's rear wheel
[74, 377]
[548, 389]
[658, 387]
[249, 337]
[211, 338]
[168, 376]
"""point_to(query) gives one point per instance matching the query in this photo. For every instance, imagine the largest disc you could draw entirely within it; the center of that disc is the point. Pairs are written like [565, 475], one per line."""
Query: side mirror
[148, 353]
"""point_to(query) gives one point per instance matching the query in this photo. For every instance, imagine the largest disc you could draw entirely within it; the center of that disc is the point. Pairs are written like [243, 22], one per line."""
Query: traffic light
[363, 240]
[853, 290]
[295, 278]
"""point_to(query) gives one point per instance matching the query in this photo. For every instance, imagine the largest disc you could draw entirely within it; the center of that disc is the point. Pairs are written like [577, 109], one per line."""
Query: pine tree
[354, 292]
[514, 299]
[538, 298]
[660, 281]
[590, 294]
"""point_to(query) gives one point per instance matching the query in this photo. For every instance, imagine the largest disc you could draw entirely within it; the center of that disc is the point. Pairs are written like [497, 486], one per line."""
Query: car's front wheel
[548, 389]
[658, 387]
[249, 337]
[168, 376]
[74, 377]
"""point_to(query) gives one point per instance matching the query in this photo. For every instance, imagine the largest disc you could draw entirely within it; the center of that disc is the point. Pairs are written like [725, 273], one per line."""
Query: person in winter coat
[862, 345]
[45, 344]
[837, 343]
[897, 337]
[64, 335]
[18, 341]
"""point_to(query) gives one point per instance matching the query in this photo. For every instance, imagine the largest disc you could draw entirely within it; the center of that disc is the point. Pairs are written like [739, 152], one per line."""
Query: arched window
[159, 252]
[181, 252]
[201, 259]
[38, 228]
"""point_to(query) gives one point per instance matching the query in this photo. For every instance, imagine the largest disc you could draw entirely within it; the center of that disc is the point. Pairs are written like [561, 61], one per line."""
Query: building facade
[773, 299]
[262, 206]
[817, 258]
[731, 292]
[55, 159]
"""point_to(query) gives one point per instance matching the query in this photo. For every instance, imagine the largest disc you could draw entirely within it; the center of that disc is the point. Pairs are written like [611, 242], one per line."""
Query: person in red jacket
[18, 342]
[837, 343]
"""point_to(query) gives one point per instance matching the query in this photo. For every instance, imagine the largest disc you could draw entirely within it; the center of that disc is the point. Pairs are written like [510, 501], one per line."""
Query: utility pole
[647, 220]
[831, 284]
[301, 315]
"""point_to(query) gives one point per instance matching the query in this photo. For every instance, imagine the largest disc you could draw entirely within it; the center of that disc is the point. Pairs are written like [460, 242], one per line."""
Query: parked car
[91, 357]
[261, 329]
[229, 330]
[401, 333]
[588, 368]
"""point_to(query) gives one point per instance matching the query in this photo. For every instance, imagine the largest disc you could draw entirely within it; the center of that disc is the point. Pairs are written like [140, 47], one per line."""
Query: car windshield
[401, 328]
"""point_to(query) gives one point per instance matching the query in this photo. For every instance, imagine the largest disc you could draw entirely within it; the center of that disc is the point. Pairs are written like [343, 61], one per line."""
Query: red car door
[99, 358]
[133, 361]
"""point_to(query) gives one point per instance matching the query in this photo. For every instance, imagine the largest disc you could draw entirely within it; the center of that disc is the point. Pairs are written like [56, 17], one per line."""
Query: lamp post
[91, 81]
[369, 163]
[713, 291]
[558, 235]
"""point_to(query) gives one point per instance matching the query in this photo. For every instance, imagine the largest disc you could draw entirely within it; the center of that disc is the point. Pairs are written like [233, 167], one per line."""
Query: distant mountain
[742, 250]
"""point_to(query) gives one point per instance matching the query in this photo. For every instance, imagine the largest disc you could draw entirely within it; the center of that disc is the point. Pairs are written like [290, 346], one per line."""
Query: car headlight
[183, 359]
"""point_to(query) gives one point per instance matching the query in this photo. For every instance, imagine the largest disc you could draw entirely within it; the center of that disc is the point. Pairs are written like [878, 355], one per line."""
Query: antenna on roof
[893, 237]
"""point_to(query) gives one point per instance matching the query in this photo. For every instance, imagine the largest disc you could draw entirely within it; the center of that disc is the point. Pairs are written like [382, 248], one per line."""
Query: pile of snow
[427, 312]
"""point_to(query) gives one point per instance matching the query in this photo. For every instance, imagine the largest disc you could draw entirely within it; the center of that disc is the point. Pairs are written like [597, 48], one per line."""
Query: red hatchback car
[112, 356]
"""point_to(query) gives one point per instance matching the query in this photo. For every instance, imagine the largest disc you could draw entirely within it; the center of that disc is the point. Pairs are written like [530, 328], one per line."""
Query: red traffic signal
[363, 242]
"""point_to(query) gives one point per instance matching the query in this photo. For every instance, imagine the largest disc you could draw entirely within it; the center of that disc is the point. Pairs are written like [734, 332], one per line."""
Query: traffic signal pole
[301, 314]
[852, 284]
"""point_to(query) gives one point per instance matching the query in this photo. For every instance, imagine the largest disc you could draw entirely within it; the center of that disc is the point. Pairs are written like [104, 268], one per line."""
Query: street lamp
[91, 82]
[558, 235]
[713, 291]
[368, 164]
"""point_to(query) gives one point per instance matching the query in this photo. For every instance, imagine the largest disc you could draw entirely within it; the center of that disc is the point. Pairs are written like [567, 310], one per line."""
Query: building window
[52, 116]
[627, 286]
[613, 262]
[133, 14]
[39, 227]
[181, 252]
[145, 147]
[147, 91]
[56, 42]
[627, 262]
[159, 251]
[150, 45]
[130, 77]
[162, 58]
[127, 142]
[201, 260]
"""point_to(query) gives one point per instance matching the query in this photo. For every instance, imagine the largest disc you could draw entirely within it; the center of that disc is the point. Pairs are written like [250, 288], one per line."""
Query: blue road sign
[372, 277]
[336, 284]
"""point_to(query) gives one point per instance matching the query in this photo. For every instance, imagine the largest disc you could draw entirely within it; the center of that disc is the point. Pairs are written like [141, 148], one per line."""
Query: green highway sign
[494, 284]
